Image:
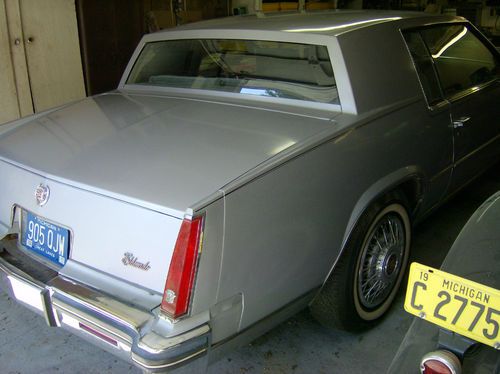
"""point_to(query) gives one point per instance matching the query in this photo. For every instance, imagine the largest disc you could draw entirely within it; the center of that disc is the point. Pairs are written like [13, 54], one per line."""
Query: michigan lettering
[467, 291]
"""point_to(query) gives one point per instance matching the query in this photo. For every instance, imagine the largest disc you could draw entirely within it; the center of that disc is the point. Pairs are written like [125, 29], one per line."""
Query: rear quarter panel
[286, 222]
[285, 229]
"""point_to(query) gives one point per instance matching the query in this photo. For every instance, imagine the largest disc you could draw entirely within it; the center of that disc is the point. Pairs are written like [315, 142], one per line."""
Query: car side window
[424, 66]
[461, 59]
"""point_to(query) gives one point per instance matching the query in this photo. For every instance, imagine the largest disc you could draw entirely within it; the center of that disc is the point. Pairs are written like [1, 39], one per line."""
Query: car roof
[318, 22]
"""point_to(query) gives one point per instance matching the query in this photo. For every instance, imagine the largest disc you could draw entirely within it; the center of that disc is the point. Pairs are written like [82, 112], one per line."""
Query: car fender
[387, 183]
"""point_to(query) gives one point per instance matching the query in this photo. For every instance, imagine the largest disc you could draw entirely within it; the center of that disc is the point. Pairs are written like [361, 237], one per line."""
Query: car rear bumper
[136, 335]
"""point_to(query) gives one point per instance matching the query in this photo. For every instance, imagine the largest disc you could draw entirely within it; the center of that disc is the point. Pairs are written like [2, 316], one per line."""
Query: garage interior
[42, 67]
[57, 51]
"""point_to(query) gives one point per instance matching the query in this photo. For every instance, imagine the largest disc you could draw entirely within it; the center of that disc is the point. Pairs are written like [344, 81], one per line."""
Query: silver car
[243, 170]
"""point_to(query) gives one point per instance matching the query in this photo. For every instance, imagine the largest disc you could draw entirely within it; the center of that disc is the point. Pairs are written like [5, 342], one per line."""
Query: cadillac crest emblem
[42, 194]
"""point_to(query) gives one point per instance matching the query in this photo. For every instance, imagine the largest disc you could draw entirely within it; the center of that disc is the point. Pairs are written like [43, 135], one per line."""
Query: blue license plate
[45, 238]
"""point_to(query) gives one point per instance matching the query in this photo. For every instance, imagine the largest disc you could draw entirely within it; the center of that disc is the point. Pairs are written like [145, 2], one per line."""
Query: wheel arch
[408, 180]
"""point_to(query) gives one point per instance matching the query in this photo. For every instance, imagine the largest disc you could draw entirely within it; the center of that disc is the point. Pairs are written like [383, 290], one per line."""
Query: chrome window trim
[441, 103]
[346, 100]
[465, 92]
[472, 90]
[219, 95]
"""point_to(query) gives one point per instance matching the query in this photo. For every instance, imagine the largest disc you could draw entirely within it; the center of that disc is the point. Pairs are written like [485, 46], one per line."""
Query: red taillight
[440, 362]
[182, 269]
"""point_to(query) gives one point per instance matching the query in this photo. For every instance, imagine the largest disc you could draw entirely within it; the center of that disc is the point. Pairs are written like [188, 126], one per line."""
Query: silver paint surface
[281, 183]
[161, 151]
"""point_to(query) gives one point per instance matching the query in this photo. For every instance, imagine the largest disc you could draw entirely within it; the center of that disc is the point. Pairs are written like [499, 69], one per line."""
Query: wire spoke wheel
[367, 275]
[381, 261]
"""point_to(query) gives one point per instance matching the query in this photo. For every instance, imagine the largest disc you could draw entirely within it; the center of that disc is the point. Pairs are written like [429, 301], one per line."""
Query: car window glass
[461, 59]
[250, 67]
[424, 66]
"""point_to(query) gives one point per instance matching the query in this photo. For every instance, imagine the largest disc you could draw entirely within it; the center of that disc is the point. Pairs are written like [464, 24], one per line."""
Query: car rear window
[249, 67]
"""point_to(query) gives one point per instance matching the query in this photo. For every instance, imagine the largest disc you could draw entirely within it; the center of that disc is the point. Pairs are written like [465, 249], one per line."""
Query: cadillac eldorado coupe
[244, 169]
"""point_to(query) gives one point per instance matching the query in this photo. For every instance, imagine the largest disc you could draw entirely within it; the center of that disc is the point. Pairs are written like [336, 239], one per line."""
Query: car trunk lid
[163, 153]
[123, 170]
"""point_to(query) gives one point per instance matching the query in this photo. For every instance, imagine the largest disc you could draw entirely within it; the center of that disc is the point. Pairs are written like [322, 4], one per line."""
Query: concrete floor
[299, 345]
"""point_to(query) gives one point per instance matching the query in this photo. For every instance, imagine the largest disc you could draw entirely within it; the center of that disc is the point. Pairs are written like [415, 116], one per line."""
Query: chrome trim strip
[155, 344]
[197, 342]
[479, 149]
[113, 331]
[471, 90]
[130, 317]
[165, 366]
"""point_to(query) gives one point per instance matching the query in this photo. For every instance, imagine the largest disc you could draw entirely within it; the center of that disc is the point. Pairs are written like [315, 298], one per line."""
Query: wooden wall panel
[52, 52]
[18, 57]
[9, 106]
[109, 32]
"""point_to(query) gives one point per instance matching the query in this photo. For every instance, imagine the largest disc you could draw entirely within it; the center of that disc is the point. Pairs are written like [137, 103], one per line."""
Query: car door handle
[460, 122]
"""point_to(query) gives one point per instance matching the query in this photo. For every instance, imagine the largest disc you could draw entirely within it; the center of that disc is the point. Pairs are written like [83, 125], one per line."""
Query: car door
[468, 71]
[437, 124]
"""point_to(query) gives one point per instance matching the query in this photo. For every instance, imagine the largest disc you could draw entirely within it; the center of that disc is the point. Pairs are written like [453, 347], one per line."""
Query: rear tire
[368, 274]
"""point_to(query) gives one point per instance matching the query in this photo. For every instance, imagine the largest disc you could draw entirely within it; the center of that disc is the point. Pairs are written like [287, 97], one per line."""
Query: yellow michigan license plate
[454, 303]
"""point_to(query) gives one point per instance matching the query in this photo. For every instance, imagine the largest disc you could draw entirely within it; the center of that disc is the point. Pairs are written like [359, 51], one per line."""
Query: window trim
[125, 84]
[440, 103]
[466, 91]
[471, 90]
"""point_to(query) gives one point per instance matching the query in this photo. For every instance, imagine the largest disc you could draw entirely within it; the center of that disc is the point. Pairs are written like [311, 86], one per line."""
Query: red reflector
[182, 269]
[440, 362]
[100, 335]
[436, 367]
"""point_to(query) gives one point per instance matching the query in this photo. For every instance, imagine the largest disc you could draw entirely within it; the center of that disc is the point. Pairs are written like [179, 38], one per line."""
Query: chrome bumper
[124, 330]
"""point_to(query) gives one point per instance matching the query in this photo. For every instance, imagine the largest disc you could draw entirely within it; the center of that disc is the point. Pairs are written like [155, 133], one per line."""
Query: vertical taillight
[182, 271]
